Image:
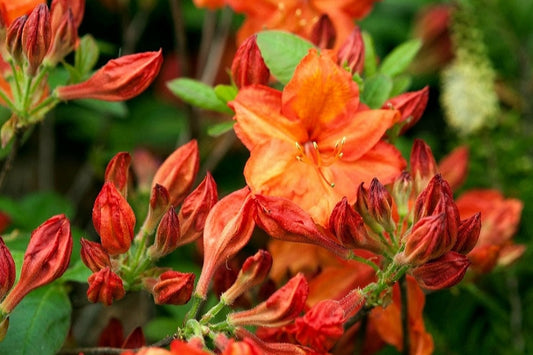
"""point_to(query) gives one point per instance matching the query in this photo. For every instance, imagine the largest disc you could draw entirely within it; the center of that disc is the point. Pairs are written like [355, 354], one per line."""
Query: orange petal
[258, 116]
[319, 92]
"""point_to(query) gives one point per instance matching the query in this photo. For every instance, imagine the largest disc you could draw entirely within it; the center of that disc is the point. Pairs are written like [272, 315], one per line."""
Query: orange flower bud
[113, 220]
[253, 272]
[36, 37]
[446, 271]
[159, 205]
[178, 171]
[117, 172]
[167, 235]
[248, 66]
[94, 256]
[279, 309]
[351, 54]
[194, 210]
[7, 270]
[323, 34]
[283, 219]
[411, 106]
[349, 228]
[119, 79]
[401, 192]
[105, 286]
[172, 287]
[454, 167]
[14, 39]
[228, 228]
[59, 8]
[423, 165]
[64, 39]
[46, 258]
[381, 205]
[426, 241]
[468, 234]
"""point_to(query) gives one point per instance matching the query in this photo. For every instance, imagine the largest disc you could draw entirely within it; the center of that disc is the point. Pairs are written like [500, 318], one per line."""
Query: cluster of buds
[46, 259]
[33, 44]
[125, 261]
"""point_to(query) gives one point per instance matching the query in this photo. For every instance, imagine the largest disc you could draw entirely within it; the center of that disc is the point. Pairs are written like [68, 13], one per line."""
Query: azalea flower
[299, 16]
[11, 9]
[314, 142]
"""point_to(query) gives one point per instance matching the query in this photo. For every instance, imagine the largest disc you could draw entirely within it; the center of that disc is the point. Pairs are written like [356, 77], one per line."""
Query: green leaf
[220, 128]
[376, 90]
[370, 66]
[85, 57]
[39, 324]
[400, 84]
[282, 52]
[226, 93]
[78, 273]
[399, 59]
[198, 94]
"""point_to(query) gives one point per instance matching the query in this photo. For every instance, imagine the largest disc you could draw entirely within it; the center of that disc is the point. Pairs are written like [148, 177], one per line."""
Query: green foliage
[376, 90]
[198, 94]
[397, 61]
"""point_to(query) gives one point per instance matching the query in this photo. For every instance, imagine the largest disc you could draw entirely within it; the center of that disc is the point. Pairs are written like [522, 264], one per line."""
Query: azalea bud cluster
[124, 261]
[32, 45]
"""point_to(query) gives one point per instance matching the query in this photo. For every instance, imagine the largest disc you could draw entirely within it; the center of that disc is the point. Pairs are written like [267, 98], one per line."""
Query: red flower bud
[349, 228]
[14, 39]
[411, 106]
[248, 66]
[401, 192]
[167, 236]
[253, 272]
[36, 37]
[228, 229]
[381, 205]
[446, 271]
[178, 171]
[283, 219]
[351, 54]
[423, 165]
[279, 309]
[59, 8]
[7, 270]
[46, 258]
[172, 287]
[105, 286]
[117, 172]
[120, 79]
[159, 205]
[323, 34]
[94, 256]
[194, 210]
[468, 234]
[426, 241]
[454, 167]
[113, 220]
[64, 39]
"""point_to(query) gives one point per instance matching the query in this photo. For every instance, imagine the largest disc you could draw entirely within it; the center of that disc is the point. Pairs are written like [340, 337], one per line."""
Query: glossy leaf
[198, 94]
[400, 58]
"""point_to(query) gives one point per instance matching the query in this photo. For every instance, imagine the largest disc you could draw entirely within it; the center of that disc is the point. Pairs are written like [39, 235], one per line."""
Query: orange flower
[314, 143]
[210, 4]
[11, 9]
[299, 16]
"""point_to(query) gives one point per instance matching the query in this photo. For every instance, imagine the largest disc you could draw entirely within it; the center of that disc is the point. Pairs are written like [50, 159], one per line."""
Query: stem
[366, 262]
[47, 103]
[7, 101]
[405, 316]
[6, 167]
[196, 303]
[213, 312]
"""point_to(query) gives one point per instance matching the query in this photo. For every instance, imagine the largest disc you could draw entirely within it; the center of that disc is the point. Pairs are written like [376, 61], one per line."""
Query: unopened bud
[59, 8]
[323, 34]
[351, 54]
[159, 205]
[425, 242]
[468, 234]
[113, 219]
[381, 205]
[118, 80]
[117, 172]
[401, 192]
[94, 256]
[446, 271]
[178, 171]
[411, 106]
[7, 270]
[248, 66]
[36, 37]
[64, 38]
[167, 235]
[423, 165]
[14, 39]
[105, 286]
[172, 287]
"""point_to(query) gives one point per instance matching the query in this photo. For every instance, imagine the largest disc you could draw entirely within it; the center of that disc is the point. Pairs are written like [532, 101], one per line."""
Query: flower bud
[349, 228]
[167, 235]
[178, 171]
[119, 79]
[253, 272]
[64, 38]
[159, 205]
[228, 229]
[7, 270]
[283, 219]
[401, 193]
[446, 271]
[423, 165]
[323, 34]
[279, 309]
[381, 205]
[194, 210]
[321, 326]
[113, 220]
[454, 167]
[59, 8]
[351, 54]
[468, 234]
[117, 172]
[36, 37]
[172, 287]
[105, 286]
[94, 256]
[411, 106]
[425, 242]
[248, 66]
[46, 258]
[14, 39]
